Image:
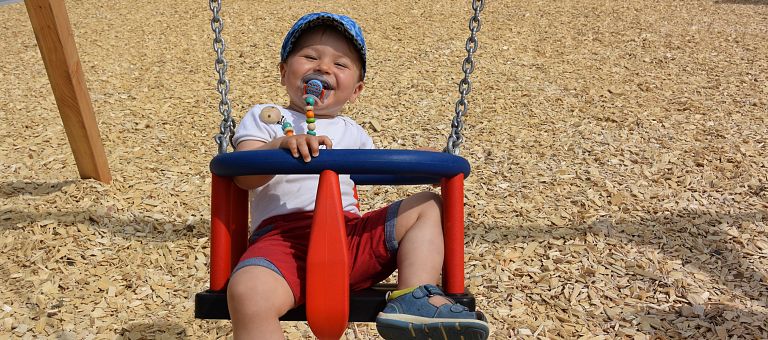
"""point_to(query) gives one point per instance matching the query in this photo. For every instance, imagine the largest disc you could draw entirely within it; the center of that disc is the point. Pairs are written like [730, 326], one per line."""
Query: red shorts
[280, 243]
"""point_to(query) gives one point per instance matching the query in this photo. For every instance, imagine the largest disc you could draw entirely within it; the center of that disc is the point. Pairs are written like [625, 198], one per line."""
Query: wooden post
[57, 47]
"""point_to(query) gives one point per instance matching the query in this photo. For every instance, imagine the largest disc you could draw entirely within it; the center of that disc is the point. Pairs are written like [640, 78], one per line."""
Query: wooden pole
[57, 47]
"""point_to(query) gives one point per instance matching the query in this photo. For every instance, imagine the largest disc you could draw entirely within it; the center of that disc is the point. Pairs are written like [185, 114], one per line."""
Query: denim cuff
[257, 261]
[389, 226]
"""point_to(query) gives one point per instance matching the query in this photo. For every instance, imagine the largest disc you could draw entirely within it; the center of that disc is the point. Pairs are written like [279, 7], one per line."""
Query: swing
[327, 262]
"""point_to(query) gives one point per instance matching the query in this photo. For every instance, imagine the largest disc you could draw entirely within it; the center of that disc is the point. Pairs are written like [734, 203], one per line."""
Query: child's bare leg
[420, 240]
[419, 232]
[420, 251]
[257, 297]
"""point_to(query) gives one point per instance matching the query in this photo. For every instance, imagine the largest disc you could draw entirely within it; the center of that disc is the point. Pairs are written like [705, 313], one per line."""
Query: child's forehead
[323, 31]
[325, 35]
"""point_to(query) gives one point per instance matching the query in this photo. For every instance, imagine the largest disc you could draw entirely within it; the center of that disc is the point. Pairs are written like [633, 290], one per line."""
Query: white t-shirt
[296, 193]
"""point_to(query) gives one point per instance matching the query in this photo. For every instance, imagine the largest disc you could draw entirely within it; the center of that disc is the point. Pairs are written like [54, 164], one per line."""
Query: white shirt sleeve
[367, 142]
[252, 128]
[364, 141]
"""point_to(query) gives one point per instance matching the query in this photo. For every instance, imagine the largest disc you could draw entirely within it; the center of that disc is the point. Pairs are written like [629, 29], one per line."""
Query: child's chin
[324, 114]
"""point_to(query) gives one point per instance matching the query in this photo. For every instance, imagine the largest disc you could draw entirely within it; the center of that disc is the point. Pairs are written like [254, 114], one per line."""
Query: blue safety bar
[366, 167]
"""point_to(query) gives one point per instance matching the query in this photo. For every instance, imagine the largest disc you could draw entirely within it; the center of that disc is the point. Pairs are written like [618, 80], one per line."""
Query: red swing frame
[327, 263]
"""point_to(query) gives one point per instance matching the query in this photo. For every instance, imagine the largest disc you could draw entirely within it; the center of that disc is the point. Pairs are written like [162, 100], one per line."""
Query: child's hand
[306, 146]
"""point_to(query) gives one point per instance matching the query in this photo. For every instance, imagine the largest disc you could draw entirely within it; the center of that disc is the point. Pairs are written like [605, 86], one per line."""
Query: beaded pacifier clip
[313, 90]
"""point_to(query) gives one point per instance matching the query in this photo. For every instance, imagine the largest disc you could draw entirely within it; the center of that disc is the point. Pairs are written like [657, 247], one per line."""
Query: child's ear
[281, 67]
[358, 89]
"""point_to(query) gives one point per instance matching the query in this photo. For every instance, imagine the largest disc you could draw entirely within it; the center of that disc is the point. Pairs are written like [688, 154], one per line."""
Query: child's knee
[242, 287]
[423, 210]
[258, 290]
[430, 201]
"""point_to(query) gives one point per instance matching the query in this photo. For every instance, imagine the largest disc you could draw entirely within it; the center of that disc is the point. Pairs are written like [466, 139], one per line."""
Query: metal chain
[455, 139]
[227, 126]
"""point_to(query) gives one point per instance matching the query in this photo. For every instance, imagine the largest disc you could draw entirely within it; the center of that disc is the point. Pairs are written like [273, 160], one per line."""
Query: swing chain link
[455, 139]
[227, 126]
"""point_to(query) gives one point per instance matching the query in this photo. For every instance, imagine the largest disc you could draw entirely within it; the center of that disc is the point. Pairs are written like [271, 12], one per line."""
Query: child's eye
[310, 57]
[342, 65]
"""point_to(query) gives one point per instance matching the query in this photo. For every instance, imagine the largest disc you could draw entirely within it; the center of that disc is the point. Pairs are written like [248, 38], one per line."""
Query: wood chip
[619, 167]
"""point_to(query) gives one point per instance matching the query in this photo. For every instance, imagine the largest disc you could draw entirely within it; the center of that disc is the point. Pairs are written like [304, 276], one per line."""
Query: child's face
[327, 53]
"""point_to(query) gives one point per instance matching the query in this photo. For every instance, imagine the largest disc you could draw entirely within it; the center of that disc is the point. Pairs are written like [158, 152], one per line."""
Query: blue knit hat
[345, 24]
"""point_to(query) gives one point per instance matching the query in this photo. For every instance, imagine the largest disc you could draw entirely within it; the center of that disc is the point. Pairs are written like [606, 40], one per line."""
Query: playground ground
[620, 165]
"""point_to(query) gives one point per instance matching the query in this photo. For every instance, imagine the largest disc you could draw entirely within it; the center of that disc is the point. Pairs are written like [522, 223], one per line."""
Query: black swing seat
[364, 305]
[367, 167]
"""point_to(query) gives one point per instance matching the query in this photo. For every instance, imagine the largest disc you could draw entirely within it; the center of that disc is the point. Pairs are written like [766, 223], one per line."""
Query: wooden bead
[270, 115]
[311, 126]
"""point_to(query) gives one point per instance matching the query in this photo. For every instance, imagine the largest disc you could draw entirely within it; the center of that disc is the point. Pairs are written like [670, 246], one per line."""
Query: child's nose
[324, 66]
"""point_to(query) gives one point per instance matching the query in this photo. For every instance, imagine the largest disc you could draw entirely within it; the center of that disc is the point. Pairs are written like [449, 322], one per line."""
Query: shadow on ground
[742, 2]
[711, 243]
[154, 330]
[137, 225]
[126, 223]
[32, 188]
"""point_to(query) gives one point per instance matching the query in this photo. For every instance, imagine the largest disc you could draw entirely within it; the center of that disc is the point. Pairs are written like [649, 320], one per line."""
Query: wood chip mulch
[620, 165]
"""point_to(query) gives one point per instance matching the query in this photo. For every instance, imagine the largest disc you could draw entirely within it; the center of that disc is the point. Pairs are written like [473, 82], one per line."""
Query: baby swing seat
[327, 273]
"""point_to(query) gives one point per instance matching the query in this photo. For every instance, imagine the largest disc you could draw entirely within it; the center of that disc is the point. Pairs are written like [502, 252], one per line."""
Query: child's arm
[306, 146]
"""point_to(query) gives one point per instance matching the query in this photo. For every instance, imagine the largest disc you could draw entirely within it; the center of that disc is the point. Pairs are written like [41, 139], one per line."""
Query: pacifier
[316, 86]
[313, 92]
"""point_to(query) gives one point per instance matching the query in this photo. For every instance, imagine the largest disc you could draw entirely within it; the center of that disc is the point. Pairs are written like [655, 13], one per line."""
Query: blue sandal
[412, 316]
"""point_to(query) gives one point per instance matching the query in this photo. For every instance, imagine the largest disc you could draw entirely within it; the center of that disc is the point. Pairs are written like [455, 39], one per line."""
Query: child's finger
[304, 150]
[314, 146]
[290, 144]
[325, 140]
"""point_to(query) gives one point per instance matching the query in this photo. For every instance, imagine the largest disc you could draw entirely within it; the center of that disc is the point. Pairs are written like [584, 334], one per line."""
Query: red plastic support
[452, 190]
[328, 263]
[229, 229]
[239, 211]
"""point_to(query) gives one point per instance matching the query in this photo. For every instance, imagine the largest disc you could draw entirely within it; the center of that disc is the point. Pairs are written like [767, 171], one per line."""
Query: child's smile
[315, 76]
